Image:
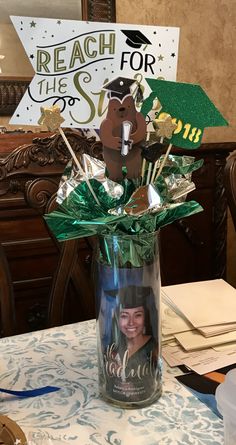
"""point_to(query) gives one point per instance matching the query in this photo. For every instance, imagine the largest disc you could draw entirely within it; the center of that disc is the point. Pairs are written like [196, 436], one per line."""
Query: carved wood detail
[100, 10]
[220, 220]
[34, 170]
[230, 184]
[11, 93]
[43, 152]
[40, 194]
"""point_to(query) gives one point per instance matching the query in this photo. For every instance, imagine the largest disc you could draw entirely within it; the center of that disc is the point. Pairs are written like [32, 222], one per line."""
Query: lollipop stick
[149, 173]
[81, 171]
[144, 160]
[155, 165]
[143, 170]
[71, 151]
[163, 161]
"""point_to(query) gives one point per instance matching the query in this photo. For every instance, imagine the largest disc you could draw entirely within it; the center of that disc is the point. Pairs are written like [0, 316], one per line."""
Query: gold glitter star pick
[51, 117]
[164, 127]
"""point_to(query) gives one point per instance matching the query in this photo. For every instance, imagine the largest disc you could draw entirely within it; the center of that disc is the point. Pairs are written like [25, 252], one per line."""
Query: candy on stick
[164, 129]
[156, 107]
[51, 117]
[143, 199]
[164, 126]
[151, 151]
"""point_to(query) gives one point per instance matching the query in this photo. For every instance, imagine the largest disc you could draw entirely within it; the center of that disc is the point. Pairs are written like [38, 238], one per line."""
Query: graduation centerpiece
[136, 189]
[125, 201]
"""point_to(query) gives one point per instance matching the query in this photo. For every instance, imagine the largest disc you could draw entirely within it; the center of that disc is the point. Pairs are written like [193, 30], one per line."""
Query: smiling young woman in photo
[130, 359]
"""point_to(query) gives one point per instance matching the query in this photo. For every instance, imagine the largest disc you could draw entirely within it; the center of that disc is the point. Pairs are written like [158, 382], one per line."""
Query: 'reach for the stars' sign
[72, 61]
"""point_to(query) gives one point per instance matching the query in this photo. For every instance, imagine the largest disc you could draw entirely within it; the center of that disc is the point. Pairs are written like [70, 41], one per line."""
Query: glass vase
[127, 286]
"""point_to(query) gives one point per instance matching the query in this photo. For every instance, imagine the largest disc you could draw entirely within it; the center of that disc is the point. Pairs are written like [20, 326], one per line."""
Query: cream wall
[207, 50]
[15, 63]
[207, 55]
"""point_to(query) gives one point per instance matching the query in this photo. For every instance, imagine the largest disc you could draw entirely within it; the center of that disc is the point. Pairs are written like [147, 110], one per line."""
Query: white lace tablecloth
[66, 357]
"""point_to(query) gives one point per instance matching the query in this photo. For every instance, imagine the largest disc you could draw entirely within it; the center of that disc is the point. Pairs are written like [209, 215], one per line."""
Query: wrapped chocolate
[94, 169]
[151, 151]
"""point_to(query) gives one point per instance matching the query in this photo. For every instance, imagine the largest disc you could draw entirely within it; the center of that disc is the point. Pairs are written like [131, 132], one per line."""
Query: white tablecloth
[66, 357]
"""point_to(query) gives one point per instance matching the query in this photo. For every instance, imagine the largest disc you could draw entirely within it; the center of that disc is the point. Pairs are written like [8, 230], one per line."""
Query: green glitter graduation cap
[189, 106]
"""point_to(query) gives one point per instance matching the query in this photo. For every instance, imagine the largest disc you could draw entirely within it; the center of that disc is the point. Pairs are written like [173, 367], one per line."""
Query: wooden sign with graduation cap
[122, 131]
[189, 107]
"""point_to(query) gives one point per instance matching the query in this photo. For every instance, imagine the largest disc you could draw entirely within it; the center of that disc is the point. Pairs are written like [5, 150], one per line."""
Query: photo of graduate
[131, 358]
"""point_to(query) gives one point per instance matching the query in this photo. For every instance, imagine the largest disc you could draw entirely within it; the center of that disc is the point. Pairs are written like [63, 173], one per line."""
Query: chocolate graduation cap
[131, 296]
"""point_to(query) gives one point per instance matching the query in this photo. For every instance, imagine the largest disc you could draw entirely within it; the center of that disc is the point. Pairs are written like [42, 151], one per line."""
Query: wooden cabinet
[31, 251]
[191, 249]
[194, 248]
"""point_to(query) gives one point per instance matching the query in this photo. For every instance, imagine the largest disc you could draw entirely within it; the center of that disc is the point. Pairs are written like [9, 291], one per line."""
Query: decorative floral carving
[40, 193]
[47, 151]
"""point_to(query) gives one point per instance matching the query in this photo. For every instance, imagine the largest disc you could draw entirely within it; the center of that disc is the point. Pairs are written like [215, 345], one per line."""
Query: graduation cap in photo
[131, 296]
[135, 38]
[191, 108]
[119, 87]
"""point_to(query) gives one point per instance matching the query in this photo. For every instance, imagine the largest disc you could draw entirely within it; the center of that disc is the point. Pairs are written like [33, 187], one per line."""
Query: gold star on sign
[164, 127]
[51, 117]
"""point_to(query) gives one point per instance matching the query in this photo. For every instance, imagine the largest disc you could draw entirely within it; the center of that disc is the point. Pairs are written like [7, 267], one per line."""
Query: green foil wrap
[80, 216]
[127, 251]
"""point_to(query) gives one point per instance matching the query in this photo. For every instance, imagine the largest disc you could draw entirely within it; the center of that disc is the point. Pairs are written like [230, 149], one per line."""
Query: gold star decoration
[51, 117]
[164, 127]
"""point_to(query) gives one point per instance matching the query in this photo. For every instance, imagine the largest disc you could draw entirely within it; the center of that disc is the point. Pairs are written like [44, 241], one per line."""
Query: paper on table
[167, 338]
[173, 322]
[209, 331]
[203, 361]
[209, 360]
[193, 340]
[227, 347]
[204, 303]
[175, 355]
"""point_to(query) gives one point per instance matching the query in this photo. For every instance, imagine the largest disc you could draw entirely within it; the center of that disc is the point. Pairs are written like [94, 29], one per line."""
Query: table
[66, 357]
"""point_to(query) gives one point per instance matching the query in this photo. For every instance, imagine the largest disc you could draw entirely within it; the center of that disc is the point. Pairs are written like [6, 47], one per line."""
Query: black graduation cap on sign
[135, 38]
[119, 87]
[131, 296]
